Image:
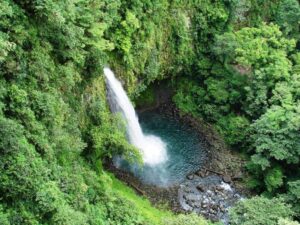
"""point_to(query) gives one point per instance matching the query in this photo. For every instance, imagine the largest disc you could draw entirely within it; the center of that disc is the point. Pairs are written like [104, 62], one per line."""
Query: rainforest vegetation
[232, 63]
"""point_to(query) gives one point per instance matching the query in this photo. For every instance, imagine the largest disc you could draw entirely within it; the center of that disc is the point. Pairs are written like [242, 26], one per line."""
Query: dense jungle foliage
[233, 63]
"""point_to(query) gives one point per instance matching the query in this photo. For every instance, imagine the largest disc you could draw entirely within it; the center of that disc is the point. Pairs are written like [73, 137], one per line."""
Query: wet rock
[211, 211]
[201, 188]
[236, 196]
[190, 176]
[238, 176]
[187, 190]
[197, 204]
[209, 193]
[226, 179]
[214, 219]
[209, 196]
[205, 201]
[201, 173]
[215, 207]
[219, 188]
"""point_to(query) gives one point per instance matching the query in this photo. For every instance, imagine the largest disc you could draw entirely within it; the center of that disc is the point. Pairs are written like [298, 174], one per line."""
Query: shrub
[259, 211]
[189, 219]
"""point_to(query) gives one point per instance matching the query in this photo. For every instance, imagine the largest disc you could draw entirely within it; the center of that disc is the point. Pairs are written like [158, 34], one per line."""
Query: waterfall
[152, 148]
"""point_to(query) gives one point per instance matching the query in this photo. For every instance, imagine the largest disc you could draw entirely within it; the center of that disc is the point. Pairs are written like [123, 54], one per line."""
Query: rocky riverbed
[209, 196]
[203, 192]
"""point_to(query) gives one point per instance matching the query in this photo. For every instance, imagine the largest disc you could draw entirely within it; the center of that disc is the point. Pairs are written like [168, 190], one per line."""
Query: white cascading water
[152, 148]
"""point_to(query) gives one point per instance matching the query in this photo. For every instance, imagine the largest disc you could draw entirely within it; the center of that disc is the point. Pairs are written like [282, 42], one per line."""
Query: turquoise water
[185, 149]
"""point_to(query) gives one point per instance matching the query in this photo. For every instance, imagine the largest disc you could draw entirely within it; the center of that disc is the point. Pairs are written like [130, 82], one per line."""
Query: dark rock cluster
[209, 196]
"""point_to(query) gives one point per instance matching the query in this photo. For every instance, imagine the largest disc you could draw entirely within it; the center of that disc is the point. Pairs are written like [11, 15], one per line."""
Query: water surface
[185, 150]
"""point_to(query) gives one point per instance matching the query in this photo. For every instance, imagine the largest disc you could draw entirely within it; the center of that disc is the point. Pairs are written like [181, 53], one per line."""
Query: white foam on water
[226, 186]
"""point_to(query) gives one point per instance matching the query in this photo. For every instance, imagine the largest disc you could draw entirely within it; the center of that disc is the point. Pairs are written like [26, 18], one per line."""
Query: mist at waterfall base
[170, 149]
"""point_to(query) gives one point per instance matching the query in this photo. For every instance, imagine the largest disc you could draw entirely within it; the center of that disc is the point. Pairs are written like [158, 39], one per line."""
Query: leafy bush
[259, 210]
[293, 196]
[282, 221]
[274, 178]
[189, 219]
[234, 129]
[288, 17]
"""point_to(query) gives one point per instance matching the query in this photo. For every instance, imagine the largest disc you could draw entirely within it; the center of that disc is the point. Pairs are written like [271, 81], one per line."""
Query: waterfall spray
[152, 148]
